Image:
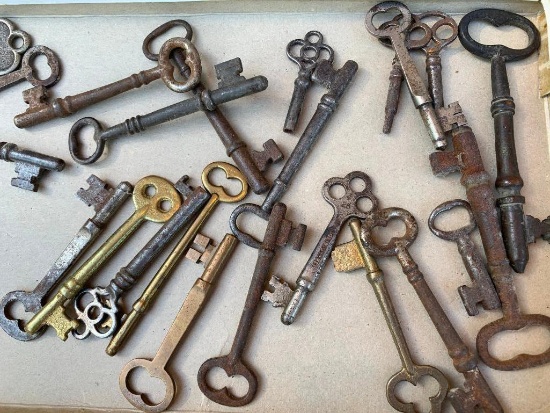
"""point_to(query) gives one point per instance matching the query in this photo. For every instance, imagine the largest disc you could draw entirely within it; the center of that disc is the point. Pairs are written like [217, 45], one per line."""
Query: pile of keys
[66, 301]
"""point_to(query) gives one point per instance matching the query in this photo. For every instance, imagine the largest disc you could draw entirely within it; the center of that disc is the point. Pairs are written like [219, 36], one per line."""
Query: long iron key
[106, 201]
[100, 316]
[149, 195]
[218, 194]
[10, 54]
[411, 371]
[231, 87]
[29, 165]
[477, 393]
[279, 232]
[189, 311]
[40, 111]
[482, 290]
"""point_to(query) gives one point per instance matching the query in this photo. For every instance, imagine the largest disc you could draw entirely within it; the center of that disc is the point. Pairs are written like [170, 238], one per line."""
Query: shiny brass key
[219, 194]
[149, 196]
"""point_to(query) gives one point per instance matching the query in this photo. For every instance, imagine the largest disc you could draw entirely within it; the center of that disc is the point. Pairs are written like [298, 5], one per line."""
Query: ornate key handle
[402, 24]
[437, 43]
[9, 64]
[218, 191]
[304, 59]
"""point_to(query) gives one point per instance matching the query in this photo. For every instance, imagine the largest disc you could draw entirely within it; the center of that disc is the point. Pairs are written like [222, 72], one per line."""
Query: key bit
[201, 250]
[97, 194]
[535, 228]
[228, 73]
[270, 154]
[182, 187]
[289, 235]
[451, 116]
[36, 97]
[346, 257]
[29, 165]
[281, 292]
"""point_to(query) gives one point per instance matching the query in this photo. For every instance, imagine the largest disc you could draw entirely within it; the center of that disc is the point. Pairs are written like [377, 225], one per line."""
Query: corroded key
[411, 372]
[278, 233]
[10, 55]
[218, 194]
[40, 111]
[100, 316]
[477, 393]
[106, 201]
[150, 195]
[29, 165]
[482, 290]
[189, 311]
[309, 56]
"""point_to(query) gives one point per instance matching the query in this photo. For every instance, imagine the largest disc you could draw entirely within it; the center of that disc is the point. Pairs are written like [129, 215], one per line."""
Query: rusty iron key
[279, 232]
[509, 181]
[10, 53]
[189, 311]
[39, 111]
[482, 290]
[345, 257]
[106, 201]
[100, 316]
[477, 393]
[149, 196]
[311, 47]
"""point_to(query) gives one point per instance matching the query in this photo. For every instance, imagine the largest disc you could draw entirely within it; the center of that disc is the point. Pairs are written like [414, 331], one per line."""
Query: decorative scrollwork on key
[98, 316]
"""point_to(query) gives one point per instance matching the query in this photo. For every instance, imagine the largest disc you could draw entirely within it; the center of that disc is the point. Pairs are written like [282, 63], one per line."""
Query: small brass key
[189, 310]
[149, 207]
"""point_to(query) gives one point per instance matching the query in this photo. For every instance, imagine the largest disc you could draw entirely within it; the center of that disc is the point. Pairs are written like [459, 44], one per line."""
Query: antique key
[150, 193]
[345, 207]
[29, 165]
[309, 56]
[100, 316]
[411, 372]
[482, 290]
[40, 111]
[10, 55]
[279, 232]
[231, 87]
[337, 81]
[106, 201]
[218, 194]
[188, 312]
[27, 72]
[508, 182]
[477, 393]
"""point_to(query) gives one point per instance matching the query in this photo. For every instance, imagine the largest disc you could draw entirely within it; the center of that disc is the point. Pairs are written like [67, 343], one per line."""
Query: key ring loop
[456, 234]
[444, 20]
[347, 203]
[53, 63]
[74, 145]
[383, 7]
[192, 60]
[498, 18]
[9, 44]
[231, 172]
[242, 236]
[411, 44]
[306, 44]
[163, 28]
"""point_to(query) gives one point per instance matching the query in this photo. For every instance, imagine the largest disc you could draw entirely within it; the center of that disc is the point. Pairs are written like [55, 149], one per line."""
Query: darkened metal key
[29, 165]
[100, 317]
[279, 232]
[477, 393]
[307, 59]
[10, 54]
[482, 290]
[508, 182]
[106, 201]
[40, 111]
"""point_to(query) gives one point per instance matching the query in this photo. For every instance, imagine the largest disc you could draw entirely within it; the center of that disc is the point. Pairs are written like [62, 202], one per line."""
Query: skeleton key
[218, 194]
[478, 394]
[149, 207]
[227, 91]
[309, 56]
[29, 165]
[40, 111]
[106, 201]
[279, 232]
[345, 207]
[188, 312]
[10, 55]
[27, 71]
[100, 316]
[482, 291]
[250, 163]
[411, 372]
[508, 182]
[420, 95]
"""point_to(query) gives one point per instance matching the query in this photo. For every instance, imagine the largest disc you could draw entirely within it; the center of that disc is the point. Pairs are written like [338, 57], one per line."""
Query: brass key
[149, 207]
[219, 194]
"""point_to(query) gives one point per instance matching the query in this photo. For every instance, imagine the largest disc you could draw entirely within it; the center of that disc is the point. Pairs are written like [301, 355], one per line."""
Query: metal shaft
[11, 153]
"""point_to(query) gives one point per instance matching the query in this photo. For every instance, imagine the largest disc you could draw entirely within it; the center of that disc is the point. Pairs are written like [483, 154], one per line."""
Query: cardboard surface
[338, 355]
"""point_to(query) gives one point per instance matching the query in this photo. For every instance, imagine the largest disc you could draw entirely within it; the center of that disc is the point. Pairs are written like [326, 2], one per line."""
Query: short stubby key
[29, 165]
[10, 54]
[40, 111]
[411, 371]
[189, 311]
[150, 193]
[482, 290]
[278, 233]
[106, 202]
